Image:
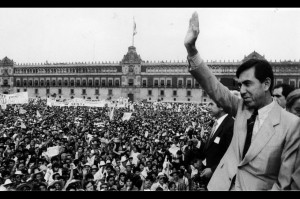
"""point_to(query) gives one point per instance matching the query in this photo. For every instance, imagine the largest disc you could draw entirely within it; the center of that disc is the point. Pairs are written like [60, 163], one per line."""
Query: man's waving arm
[200, 71]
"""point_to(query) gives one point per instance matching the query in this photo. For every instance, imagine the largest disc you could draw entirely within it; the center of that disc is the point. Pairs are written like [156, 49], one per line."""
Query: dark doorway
[130, 96]
[5, 92]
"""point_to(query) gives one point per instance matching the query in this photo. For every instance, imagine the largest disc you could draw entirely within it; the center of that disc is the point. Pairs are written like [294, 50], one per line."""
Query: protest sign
[15, 98]
[126, 116]
[53, 151]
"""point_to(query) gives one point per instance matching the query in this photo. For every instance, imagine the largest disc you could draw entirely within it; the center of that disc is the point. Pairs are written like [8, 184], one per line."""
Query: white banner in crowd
[76, 102]
[95, 103]
[53, 151]
[120, 103]
[16, 98]
[126, 116]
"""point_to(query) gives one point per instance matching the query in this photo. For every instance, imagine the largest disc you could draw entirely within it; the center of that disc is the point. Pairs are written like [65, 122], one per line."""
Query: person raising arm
[262, 153]
[200, 71]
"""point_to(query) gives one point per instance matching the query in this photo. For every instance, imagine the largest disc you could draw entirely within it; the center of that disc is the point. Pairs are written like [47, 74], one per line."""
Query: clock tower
[131, 74]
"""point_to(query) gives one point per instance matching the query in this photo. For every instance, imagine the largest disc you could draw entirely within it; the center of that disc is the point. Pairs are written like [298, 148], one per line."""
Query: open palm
[193, 31]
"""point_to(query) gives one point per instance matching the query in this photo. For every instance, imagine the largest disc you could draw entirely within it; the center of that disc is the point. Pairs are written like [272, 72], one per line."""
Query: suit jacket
[213, 151]
[270, 160]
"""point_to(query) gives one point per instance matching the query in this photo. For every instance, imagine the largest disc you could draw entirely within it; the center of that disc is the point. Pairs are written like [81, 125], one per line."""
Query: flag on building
[134, 28]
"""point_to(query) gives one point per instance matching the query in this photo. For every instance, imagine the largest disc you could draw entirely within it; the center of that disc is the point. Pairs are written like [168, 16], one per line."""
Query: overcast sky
[34, 35]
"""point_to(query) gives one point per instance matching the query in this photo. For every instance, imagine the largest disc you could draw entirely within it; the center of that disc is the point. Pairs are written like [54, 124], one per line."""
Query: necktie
[213, 129]
[250, 125]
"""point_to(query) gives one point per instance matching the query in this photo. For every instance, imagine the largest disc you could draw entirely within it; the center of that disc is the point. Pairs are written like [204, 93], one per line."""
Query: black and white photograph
[149, 99]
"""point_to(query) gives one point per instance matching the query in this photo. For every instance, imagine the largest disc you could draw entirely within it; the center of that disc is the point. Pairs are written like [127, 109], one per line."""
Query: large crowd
[156, 149]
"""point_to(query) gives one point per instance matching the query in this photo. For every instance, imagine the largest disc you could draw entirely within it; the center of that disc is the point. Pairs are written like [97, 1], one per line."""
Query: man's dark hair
[286, 89]
[149, 177]
[263, 69]
[135, 169]
[110, 176]
[71, 187]
[87, 182]
[171, 184]
[89, 176]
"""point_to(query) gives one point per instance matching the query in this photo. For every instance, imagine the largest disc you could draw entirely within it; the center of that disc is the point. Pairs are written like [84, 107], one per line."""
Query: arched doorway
[131, 97]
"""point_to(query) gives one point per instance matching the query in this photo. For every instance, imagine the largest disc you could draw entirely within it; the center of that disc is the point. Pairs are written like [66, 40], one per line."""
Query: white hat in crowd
[123, 159]
[87, 164]
[18, 173]
[102, 163]
[7, 182]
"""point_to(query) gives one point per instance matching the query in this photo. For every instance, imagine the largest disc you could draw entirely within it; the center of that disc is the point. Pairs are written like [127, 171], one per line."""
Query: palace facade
[131, 77]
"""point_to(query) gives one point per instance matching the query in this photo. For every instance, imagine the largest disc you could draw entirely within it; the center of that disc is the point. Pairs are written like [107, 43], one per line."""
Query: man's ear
[267, 84]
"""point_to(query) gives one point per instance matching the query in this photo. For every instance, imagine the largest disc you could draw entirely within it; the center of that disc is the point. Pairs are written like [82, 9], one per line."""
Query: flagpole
[133, 33]
[132, 39]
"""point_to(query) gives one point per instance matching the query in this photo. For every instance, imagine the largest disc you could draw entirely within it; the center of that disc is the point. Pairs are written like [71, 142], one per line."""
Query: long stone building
[131, 77]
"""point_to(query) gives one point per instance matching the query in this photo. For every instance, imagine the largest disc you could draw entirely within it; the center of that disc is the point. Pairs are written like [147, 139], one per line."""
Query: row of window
[168, 83]
[65, 70]
[36, 91]
[67, 83]
[167, 70]
[90, 83]
[174, 99]
[162, 93]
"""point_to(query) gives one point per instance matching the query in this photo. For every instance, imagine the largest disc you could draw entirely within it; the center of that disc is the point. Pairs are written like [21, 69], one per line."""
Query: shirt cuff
[195, 61]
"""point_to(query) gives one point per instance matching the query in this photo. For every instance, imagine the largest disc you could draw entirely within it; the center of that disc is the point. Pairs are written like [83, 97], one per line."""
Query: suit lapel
[219, 130]
[240, 127]
[213, 137]
[264, 134]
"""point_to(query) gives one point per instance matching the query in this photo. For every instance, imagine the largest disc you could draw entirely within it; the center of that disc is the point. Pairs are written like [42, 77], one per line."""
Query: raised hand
[192, 34]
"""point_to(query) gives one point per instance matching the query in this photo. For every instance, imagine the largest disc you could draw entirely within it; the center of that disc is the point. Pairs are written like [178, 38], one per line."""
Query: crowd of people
[156, 149]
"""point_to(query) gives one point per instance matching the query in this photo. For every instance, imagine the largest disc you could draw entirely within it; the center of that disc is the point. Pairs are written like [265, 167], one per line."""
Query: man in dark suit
[217, 143]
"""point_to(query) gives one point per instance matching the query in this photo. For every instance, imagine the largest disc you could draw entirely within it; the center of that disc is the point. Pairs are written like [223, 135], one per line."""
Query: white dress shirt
[261, 117]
